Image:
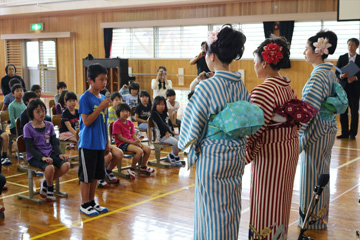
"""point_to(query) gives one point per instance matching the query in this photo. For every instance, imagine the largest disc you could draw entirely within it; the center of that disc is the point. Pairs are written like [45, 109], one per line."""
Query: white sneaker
[100, 209]
[90, 211]
[131, 174]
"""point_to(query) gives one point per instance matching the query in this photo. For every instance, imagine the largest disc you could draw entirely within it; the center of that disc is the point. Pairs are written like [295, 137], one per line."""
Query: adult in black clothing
[199, 60]
[352, 88]
[10, 70]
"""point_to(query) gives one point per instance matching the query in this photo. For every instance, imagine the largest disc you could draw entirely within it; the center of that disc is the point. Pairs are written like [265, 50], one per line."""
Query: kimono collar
[231, 76]
[282, 81]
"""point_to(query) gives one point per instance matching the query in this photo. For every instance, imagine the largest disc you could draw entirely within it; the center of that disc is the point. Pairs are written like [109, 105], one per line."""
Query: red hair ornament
[272, 53]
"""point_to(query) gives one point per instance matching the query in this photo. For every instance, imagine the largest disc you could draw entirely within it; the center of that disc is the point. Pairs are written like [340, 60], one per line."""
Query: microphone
[322, 181]
[107, 95]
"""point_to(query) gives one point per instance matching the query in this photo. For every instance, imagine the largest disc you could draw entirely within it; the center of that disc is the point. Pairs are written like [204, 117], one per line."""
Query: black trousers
[353, 95]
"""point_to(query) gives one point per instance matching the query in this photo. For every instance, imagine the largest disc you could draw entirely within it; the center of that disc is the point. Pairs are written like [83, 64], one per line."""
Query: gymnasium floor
[161, 207]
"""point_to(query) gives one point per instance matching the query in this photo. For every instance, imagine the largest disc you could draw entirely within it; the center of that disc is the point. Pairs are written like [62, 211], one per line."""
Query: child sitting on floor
[42, 148]
[126, 140]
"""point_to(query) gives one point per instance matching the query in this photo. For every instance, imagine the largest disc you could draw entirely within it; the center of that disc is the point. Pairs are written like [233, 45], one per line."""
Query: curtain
[268, 28]
[286, 30]
[108, 34]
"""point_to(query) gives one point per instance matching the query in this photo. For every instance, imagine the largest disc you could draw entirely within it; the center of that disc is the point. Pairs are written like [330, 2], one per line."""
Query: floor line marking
[15, 175]
[18, 184]
[346, 148]
[113, 212]
[347, 163]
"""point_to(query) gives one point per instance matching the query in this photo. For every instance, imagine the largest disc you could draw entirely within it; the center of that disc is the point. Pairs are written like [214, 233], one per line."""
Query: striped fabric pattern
[316, 141]
[220, 165]
[274, 154]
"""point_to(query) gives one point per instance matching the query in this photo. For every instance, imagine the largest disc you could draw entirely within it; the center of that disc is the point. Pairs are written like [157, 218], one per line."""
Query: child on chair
[126, 140]
[69, 118]
[16, 108]
[42, 148]
[116, 99]
[159, 115]
[143, 110]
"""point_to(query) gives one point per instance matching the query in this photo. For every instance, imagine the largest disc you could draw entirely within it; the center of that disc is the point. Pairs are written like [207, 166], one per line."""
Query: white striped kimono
[274, 153]
[220, 165]
[316, 141]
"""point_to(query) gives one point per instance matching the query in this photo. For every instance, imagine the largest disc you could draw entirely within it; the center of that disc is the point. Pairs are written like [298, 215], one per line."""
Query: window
[133, 43]
[302, 31]
[254, 33]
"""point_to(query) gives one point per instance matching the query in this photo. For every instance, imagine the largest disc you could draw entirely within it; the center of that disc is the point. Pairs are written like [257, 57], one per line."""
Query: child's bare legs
[138, 154]
[63, 169]
[5, 141]
[49, 174]
[88, 191]
[146, 156]
[114, 159]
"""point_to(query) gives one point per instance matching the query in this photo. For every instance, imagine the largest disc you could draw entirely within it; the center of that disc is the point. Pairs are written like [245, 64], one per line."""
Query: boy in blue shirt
[9, 97]
[93, 138]
[16, 107]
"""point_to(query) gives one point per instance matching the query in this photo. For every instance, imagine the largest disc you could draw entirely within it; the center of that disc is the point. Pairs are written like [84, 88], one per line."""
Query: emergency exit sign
[36, 27]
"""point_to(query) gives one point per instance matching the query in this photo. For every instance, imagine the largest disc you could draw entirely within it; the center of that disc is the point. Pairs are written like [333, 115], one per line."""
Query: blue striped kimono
[316, 141]
[220, 165]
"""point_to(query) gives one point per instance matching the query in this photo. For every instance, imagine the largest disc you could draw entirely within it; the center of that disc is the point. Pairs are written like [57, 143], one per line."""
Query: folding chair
[31, 173]
[152, 135]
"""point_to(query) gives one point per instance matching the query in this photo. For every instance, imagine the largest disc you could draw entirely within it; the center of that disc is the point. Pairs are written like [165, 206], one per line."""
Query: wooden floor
[162, 206]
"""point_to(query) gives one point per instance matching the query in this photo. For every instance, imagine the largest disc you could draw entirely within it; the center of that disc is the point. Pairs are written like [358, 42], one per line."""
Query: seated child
[42, 148]
[9, 97]
[173, 107]
[61, 86]
[16, 108]
[131, 99]
[61, 104]
[143, 110]
[126, 140]
[112, 159]
[159, 115]
[37, 89]
[69, 118]
[116, 98]
[27, 98]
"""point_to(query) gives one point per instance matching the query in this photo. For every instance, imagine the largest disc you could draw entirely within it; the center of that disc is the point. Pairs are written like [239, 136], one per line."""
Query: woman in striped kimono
[274, 148]
[220, 164]
[318, 136]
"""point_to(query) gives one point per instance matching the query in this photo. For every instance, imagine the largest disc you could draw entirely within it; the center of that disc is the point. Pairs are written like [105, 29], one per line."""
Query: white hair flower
[322, 45]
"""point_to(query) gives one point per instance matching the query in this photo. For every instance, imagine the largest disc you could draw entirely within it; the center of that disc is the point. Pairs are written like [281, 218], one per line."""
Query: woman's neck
[318, 61]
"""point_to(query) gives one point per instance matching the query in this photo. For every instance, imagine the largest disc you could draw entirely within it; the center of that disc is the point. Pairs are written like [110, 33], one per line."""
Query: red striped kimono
[274, 153]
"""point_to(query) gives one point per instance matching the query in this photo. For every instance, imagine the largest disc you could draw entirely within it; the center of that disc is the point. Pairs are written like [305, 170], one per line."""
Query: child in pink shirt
[126, 140]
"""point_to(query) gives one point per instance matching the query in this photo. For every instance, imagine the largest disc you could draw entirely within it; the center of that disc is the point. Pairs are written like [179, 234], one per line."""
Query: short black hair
[35, 87]
[354, 40]
[7, 66]
[28, 95]
[170, 92]
[134, 86]
[95, 70]
[16, 86]
[14, 81]
[203, 43]
[115, 95]
[61, 85]
[32, 106]
[157, 101]
[161, 67]
[62, 98]
[70, 96]
[122, 107]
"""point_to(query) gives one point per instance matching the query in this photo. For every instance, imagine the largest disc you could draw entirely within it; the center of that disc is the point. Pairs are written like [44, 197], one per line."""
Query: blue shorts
[1, 131]
[57, 162]
[124, 146]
